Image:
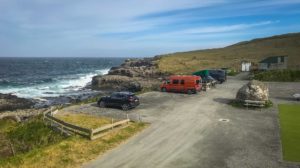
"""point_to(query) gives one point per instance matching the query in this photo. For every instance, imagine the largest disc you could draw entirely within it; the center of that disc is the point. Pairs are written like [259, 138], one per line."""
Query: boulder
[12, 102]
[254, 90]
[116, 83]
[145, 68]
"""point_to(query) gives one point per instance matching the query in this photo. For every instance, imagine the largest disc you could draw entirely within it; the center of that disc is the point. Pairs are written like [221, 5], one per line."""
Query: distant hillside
[231, 56]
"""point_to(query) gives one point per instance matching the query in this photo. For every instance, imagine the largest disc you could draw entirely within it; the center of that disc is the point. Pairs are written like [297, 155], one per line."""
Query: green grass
[290, 131]
[31, 135]
[231, 56]
[85, 121]
[278, 75]
[71, 152]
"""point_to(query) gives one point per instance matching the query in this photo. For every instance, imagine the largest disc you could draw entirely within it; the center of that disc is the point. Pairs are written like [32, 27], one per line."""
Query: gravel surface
[199, 131]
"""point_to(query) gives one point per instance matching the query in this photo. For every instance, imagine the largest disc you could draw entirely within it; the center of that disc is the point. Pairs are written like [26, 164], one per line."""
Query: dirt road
[188, 131]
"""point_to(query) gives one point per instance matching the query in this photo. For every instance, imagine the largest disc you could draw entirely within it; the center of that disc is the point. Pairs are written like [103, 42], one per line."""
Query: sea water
[51, 77]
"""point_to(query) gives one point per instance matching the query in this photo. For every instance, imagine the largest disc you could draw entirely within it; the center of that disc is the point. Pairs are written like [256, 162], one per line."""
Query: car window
[175, 81]
[197, 82]
[182, 82]
[115, 95]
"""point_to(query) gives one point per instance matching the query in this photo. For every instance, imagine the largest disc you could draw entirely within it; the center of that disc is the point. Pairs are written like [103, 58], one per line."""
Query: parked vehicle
[208, 79]
[205, 76]
[218, 74]
[125, 100]
[182, 83]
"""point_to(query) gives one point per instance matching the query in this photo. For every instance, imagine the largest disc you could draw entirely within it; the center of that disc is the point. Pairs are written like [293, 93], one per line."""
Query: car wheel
[164, 90]
[189, 91]
[125, 107]
[102, 104]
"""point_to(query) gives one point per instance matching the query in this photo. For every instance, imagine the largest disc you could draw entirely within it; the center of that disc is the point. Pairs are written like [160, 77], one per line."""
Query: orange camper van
[182, 83]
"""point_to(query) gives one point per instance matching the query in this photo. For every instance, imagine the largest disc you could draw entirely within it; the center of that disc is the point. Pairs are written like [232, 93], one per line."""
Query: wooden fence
[67, 128]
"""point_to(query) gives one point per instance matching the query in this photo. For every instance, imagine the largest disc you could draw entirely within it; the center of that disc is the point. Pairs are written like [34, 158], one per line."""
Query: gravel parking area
[199, 131]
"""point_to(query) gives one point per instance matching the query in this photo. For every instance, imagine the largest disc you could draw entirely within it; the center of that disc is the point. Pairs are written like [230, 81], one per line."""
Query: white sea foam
[66, 85]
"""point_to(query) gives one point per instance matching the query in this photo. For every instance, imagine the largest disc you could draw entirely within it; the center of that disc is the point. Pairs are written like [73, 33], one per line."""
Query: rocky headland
[133, 75]
[11, 102]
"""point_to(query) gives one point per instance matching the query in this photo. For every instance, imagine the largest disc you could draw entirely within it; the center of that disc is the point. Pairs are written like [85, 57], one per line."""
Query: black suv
[125, 100]
[219, 75]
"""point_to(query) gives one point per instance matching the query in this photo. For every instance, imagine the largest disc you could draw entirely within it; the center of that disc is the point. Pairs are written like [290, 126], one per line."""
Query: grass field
[290, 131]
[232, 56]
[64, 152]
[86, 121]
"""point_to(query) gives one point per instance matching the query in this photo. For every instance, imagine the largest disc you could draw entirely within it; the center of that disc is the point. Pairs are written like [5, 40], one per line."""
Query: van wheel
[102, 104]
[163, 89]
[125, 107]
[189, 91]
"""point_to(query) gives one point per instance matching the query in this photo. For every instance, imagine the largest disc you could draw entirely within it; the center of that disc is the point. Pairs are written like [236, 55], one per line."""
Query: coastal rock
[20, 115]
[116, 82]
[12, 102]
[254, 90]
[145, 68]
[133, 75]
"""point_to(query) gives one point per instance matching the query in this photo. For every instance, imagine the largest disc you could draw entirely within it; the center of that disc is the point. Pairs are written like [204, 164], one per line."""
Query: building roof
[273, 59]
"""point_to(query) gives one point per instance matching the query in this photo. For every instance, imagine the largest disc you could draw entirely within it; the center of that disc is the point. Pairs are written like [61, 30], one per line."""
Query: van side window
[168, 82]
[182, 82]
[175, 81]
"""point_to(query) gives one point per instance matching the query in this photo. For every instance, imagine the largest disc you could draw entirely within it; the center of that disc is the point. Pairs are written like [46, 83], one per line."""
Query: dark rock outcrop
[254, 90]
[133, 75]
[12, 102]
[145, 68]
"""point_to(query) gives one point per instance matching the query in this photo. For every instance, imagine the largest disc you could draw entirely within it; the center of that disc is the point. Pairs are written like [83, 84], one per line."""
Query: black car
[219, 75]
[125, 100]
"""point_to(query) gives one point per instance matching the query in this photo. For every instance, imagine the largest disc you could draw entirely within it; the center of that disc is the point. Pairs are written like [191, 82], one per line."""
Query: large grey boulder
[254, 90]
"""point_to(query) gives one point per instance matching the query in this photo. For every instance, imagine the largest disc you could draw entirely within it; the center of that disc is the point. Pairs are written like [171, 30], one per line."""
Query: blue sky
[137, 28]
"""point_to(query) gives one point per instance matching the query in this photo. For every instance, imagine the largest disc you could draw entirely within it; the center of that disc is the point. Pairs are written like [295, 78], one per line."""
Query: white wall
[246, 66]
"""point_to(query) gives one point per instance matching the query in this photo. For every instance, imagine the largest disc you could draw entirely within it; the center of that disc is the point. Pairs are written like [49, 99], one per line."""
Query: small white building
[246, 66]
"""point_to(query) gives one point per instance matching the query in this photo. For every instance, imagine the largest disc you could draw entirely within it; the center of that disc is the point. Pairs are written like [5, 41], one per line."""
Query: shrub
[278, 75]
[31, 135]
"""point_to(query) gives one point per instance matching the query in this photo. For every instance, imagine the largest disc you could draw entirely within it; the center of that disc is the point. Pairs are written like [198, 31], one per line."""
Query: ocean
[51, 77]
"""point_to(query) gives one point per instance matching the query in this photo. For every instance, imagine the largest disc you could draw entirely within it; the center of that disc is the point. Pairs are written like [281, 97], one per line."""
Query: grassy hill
[231, 56]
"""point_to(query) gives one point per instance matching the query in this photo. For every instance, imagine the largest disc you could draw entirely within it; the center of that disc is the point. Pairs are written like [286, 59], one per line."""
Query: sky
[137, 28]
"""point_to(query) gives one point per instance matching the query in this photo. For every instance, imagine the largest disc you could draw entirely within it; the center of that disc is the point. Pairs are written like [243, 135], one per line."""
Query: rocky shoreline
[133, 75]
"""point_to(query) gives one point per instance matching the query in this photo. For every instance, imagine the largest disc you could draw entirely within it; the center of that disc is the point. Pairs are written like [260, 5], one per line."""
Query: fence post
[43, 116]
[91, 134]
[62, 129]
[140, 117]
[127, 118]
[112, 121]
